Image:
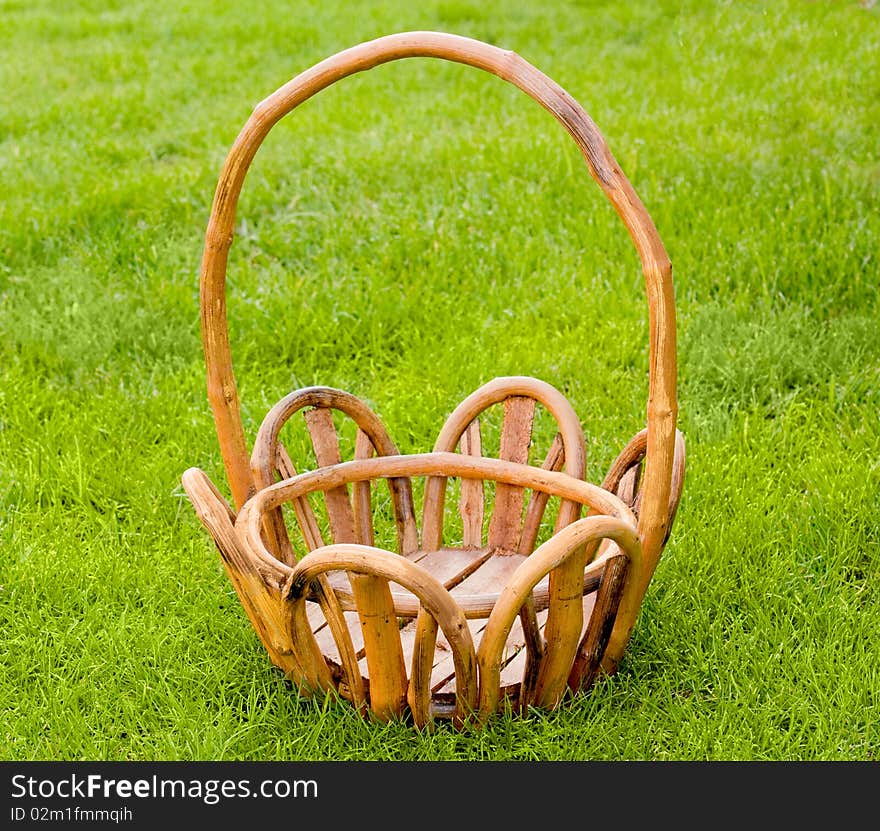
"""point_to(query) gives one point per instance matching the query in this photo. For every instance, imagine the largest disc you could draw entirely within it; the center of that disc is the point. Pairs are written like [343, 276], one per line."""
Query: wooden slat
[334, 640]
[490, 577]
[384, 655]
[627, 490]
[326, 443]
[278, 540]
[472, 500]
[338, 628]
[562, 631]
[335, 629]
[474, 603]
[512, 673]
[266, 447]
[565, 618]
[533, 647]
[513, 651]
[443, 674]
[404, 514]
[277, 537]
[316, 616]
[361, 493]
[387, 671]
[432, 512]
[538, 500]
[302, 508]
[516, 433]
[450, 565]
[601, 623]
[327, 642]
[422, 661]
[401, 495]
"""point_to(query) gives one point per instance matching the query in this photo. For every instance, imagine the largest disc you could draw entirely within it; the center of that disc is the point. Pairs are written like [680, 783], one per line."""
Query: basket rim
[440, 464]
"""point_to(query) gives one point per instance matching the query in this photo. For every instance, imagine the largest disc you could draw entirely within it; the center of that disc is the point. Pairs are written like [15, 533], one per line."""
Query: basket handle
[222, 393]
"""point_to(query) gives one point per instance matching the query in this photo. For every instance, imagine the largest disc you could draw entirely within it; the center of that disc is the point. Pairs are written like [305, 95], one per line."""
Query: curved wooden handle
[223, 396]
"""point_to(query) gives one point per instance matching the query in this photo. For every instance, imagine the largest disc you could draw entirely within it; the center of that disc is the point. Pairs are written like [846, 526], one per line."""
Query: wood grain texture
[305, 515]
[516, 436]
[423, 652]
[472, 502]
[595, 640]
[326, 444]
[484, 572]
[362, 498]
[495, 392]
[268, 449]
[318, 674]
[538, 500]
[322, 589]
[434, 464]
[257, 592]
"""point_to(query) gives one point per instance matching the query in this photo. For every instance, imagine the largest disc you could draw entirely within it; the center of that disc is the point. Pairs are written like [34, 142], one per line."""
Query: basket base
[449, 631]
[443, 688]
[474, 578]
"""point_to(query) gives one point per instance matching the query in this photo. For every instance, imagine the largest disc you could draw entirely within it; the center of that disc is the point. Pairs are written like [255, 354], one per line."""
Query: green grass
[408, 235]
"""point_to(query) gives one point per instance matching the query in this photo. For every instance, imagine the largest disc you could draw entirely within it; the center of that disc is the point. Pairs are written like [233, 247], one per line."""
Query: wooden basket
[436, 628]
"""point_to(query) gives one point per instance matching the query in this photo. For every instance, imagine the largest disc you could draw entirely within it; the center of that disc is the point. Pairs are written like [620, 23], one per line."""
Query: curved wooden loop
[478, 604]
[551, 555]
[491, 393]
[258, 587]
[222, 392]
[498, 389]
[264, 459]
[507, 529]
[248, 522]
[264, 456]
[624, 475]
[436, 602]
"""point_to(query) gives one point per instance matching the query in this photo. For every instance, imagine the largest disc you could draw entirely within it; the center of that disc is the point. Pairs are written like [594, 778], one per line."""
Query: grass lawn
[408, 235]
